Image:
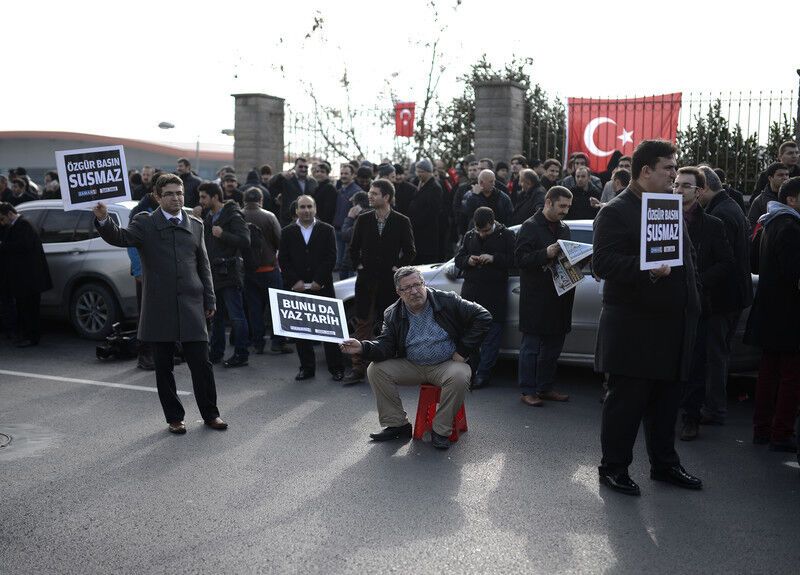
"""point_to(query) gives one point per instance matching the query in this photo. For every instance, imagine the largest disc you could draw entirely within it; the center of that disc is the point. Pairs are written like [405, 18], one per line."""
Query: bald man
[484, 193]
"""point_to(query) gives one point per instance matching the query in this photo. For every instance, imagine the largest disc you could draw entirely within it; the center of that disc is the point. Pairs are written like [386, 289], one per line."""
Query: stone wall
[258, 132]
[499, 117]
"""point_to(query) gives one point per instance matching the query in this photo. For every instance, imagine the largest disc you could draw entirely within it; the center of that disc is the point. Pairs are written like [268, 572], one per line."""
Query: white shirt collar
[169, 216]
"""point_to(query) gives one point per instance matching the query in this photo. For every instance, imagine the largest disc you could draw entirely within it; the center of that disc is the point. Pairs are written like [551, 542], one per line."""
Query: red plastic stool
[426, 410]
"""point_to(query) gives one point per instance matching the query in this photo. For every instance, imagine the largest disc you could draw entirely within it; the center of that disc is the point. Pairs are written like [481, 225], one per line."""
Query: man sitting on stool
[427, 337]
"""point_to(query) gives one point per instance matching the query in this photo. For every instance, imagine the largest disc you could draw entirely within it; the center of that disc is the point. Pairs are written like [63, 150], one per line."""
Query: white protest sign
[305, 316]
[92, 174]
[662, 231]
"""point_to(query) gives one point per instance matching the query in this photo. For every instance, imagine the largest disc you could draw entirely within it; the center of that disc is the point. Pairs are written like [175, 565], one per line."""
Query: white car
[580, 342]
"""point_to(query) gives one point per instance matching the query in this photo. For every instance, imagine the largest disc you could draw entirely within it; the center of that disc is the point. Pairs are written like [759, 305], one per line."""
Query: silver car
[92, 282]
[580, 342]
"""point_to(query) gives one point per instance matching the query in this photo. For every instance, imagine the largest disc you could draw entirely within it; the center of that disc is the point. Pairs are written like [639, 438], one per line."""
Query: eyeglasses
[408, 288]
[171, 194]
[683, 186]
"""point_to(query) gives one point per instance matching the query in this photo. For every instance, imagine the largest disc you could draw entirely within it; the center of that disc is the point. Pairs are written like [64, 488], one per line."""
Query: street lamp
[169, 126]
[227, 132]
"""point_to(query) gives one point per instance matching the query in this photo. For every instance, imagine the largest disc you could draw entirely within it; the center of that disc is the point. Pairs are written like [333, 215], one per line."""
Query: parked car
[580, 342]
[92, 283]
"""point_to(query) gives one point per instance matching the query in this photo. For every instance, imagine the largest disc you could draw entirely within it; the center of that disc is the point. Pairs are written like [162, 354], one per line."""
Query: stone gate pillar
[258, 133]
[499, 118]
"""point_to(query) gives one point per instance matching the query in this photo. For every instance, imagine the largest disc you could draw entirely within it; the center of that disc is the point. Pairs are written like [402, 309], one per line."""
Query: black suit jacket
[22, 260]
[311, 263]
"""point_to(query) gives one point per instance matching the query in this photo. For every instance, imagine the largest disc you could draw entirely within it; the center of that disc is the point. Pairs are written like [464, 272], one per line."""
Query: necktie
[175, 221]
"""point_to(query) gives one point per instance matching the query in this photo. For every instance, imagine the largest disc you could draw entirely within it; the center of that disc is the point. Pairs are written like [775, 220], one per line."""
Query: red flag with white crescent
[599, 127]
[404, 119]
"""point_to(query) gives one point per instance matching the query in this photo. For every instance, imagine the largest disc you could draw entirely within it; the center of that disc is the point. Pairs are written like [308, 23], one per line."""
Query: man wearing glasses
[178, 295]
[427, 337]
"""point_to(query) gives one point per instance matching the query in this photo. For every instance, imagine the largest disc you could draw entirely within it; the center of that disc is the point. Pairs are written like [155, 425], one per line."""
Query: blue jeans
[341, 260]
[256, 296]
[229, 299]
[489, 350]
[538, 355]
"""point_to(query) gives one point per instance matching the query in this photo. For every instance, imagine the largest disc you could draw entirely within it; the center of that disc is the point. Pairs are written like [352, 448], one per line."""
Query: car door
[65, 246]
[580, 342]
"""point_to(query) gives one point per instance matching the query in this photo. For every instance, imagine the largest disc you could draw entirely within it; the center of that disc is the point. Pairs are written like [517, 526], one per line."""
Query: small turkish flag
[404, 119]
[598, 127]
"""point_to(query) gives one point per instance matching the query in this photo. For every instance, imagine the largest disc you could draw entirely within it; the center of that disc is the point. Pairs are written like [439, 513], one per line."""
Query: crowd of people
[664, 337]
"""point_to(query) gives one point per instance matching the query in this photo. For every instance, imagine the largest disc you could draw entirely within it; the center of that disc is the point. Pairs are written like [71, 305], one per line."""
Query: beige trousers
[452, 376]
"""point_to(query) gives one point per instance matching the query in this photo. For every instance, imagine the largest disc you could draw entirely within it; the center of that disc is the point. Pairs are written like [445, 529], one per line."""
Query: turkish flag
[404, 119]
[598, 127]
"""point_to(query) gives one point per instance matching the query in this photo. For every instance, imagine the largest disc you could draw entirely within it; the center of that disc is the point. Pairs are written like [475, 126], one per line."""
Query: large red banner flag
[404, 119]
[599, 127]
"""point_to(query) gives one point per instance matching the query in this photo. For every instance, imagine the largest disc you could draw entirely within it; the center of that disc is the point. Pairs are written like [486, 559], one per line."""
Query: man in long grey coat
[178, 295]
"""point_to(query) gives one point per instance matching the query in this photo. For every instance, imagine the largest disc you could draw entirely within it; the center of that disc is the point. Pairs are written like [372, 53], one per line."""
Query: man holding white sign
[307, 256]
[646, 331]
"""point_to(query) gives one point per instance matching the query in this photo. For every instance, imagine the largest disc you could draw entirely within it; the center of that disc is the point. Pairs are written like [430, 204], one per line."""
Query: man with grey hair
[731, 298]
[427, 337]
[485, 193]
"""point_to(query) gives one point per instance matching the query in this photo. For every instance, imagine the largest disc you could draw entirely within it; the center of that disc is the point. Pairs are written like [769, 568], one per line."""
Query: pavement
[91, 481]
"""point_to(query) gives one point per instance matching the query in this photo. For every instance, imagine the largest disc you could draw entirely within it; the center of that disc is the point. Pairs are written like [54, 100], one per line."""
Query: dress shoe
[390, 433]
[553, 396]
[677, 476]
[620, 482]
[337, 375]
[479, 382]
[216, 423]
[440, 441]
[531, 400]
[689, 430]
[236, 361]
[279, 349]
[259, 348]
[352, 377]
[303, 374]
[787, 445]
[177, 427]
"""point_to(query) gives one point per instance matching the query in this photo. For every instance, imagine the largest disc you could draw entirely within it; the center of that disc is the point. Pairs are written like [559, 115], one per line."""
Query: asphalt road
[91, 481]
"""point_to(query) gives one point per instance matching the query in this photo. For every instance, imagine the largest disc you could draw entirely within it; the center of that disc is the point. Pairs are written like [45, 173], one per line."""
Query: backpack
[254, 255]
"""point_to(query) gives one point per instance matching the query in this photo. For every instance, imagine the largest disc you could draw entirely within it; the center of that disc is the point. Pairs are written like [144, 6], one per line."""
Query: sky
[118, 69]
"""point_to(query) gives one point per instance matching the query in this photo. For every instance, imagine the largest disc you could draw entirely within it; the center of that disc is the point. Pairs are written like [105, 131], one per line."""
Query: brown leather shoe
[531, 400]
[177, 427]
[553, 396]
[216, 423]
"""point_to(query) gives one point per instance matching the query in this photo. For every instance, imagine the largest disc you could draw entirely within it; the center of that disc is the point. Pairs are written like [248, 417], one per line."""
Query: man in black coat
[583, 191]
[307, 256]
[190, 183]
[26, 272]
[325, 194]
[485, 255]
[288, 189]
[716, 268]
[423, 211]
[382, 243]
[646, 331]
[530, 197]
[545, 318]
[789, 156]
[776, 173]
[774, 320]
[226, 236]
[486, 194]
[730, 298]
[462, 222]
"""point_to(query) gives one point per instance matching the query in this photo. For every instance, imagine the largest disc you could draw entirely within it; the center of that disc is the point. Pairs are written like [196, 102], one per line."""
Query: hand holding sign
[351, 346]
[100, 211]
[661, 272]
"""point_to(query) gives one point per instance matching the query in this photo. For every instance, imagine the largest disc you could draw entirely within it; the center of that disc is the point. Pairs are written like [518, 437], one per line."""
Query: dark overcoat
[487, 284]
[176, 287]
[715, 264]
[226, 251]
[311, 263]
[22, 260]
[647, 328]
[541, 310]
[774, 321]
[423, 211]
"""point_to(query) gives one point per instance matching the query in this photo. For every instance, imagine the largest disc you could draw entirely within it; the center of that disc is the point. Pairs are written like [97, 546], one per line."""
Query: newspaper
[567, 266]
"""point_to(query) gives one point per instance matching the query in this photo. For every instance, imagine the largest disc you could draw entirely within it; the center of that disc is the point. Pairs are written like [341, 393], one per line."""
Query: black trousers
[28, 315]
[205, 391]
[631, 400]
[308, 361]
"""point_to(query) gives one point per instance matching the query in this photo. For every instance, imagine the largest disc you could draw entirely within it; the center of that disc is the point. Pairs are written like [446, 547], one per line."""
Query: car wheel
[93, 311]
